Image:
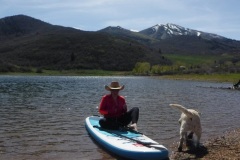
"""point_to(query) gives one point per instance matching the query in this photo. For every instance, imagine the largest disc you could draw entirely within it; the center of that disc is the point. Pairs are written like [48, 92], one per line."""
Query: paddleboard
[124, 142]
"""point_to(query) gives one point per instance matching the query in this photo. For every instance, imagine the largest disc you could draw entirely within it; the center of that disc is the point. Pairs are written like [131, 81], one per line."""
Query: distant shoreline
[69, 73]
[216, 77]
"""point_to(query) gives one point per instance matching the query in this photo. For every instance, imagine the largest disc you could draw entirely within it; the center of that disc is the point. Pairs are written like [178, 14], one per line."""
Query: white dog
[189, 121]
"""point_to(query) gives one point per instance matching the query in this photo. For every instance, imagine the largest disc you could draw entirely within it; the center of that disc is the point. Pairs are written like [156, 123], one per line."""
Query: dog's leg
[180, 145]
[182, 137]
[190, 135]
[198, 135]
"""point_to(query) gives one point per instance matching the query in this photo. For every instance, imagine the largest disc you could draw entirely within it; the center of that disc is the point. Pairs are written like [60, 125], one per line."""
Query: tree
[142, 68]
[156, 69]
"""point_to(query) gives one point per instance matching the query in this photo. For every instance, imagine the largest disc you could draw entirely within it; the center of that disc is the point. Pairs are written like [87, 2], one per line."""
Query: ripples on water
[43, 117]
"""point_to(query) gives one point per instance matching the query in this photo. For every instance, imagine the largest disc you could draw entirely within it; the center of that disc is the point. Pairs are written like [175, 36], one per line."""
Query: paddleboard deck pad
[124, 142]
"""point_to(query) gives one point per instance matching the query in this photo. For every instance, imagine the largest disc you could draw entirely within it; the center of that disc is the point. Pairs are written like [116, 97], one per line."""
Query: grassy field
[195, 59]
[231, 77]
[209, 60]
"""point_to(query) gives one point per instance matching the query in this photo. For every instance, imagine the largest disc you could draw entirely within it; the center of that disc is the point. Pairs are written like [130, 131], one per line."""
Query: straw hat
[114, 86]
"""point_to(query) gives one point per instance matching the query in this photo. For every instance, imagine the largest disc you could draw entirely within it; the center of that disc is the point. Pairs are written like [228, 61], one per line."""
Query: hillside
[27, 42]
[15, 26]
[136, 36]
[194, 45]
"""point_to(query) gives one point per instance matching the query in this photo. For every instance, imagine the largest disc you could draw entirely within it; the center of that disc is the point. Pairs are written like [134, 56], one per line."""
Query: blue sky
[221, 17]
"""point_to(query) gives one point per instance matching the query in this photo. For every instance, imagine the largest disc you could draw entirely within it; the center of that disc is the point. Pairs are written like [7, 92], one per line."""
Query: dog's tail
[182, 109]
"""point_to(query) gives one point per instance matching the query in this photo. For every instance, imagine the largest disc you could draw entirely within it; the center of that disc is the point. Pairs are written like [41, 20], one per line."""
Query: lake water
[43, 117]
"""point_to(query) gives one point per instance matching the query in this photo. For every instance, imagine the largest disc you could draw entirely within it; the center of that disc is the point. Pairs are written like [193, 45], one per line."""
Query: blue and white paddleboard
[125, 143]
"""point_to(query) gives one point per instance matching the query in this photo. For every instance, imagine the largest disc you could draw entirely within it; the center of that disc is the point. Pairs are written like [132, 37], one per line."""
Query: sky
[220, 17]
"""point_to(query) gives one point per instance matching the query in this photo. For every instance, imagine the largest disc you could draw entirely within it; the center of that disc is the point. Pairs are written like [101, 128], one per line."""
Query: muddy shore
[224, 147]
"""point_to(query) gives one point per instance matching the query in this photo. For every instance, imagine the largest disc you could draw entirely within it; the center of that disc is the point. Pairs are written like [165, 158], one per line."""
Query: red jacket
[111, 109]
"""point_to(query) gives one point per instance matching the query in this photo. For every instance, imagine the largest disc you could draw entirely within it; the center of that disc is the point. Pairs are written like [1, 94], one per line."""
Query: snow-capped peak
[163, 31]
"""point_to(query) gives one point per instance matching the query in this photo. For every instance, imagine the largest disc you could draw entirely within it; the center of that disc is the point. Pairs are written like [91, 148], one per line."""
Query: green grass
[231, 77]
[194, 59]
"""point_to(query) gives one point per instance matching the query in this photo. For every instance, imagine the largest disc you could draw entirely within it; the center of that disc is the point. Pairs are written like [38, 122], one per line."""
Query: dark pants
[114, 123]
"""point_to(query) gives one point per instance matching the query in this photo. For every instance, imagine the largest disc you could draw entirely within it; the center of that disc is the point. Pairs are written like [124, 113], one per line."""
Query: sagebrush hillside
[27, 42]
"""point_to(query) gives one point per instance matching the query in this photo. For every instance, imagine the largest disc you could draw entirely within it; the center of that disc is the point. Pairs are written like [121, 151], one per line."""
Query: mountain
[174, 39]
[21, 25]
[172, 30]
[189, 41]
[26, 42]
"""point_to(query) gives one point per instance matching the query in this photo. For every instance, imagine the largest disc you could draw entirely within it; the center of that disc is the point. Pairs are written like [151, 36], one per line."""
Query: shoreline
[215, 77]
[226, 146]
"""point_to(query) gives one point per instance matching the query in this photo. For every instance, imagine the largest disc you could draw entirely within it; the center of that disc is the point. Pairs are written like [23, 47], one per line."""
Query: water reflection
[43, 117]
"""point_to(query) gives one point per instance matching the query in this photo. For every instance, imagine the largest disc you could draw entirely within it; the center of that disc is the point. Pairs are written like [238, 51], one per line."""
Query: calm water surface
[43, 117]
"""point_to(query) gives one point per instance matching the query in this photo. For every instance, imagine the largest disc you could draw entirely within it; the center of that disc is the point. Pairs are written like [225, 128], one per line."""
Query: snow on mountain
[161, 31]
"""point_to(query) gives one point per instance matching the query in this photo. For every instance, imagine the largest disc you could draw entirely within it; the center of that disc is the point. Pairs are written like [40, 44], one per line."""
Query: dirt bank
[225, 147]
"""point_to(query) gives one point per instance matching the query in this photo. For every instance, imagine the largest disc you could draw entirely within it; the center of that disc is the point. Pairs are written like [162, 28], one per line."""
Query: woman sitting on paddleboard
[114, 109]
